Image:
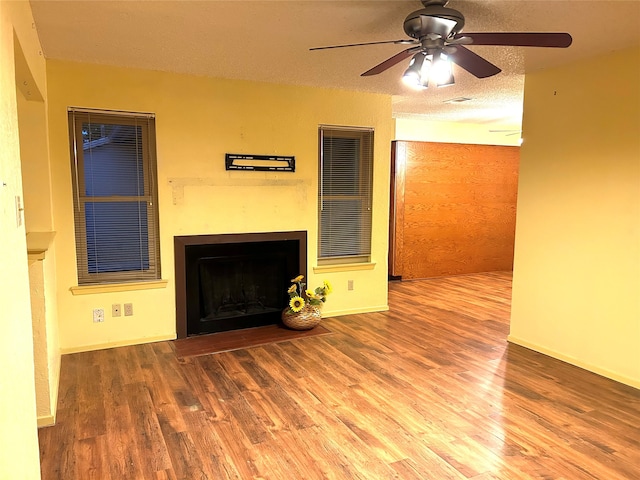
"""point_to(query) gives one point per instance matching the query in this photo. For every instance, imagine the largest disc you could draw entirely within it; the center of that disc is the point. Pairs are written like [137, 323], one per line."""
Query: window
[114, 196]
[345, 194]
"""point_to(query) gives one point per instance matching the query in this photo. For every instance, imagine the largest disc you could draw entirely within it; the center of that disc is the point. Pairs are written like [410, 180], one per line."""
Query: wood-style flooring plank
[241, 339]
[428, 390]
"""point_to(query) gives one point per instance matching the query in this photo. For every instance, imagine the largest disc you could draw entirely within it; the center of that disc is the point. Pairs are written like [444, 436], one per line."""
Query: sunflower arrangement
[299, 297]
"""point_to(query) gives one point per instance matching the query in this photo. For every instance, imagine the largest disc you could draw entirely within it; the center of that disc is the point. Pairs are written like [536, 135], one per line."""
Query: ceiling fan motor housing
[434, 19]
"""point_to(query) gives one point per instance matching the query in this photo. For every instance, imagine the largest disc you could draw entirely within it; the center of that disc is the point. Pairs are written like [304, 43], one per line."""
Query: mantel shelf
[37, 244]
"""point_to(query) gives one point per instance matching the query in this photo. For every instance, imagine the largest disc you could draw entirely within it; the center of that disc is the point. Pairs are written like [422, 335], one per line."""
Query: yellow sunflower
[309, 293]
[297, 279]
[292, 289]
[296, 303]
[327, 287]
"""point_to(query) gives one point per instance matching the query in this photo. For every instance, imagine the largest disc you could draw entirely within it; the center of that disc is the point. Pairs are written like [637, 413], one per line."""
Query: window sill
[117, 287]
[344, 267]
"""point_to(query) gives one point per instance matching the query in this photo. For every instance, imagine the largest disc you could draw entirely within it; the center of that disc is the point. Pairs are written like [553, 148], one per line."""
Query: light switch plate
[19, 210]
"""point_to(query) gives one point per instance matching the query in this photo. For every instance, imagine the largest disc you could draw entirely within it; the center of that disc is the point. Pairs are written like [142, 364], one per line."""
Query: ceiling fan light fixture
[428, 68]
[441, 71]
[413, 75]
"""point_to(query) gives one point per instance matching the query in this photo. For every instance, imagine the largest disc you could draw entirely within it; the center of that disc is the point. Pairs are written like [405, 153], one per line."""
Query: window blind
[114, 196]
[345, 194]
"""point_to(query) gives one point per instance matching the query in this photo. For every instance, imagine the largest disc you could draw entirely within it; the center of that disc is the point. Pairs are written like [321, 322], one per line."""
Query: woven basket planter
[305, 319]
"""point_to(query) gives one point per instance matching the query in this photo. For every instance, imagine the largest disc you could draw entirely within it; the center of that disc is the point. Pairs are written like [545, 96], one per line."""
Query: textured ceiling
[269, 41]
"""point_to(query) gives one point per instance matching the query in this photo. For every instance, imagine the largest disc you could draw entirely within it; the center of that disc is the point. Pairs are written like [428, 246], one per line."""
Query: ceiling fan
[436, 40]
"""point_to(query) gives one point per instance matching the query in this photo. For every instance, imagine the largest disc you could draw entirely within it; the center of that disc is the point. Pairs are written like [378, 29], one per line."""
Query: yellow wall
[46, 346]
[53, 336]
[456, 132]
[198, 120]
[38, 217]
[19, 456]
[577, 257]
[34, 152]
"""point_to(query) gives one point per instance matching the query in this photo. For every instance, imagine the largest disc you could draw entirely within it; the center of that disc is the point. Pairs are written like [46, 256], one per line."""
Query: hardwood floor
[428, 390]
[241, 339]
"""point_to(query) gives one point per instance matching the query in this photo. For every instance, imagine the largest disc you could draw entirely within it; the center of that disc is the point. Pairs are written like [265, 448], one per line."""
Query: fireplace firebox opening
[235, 281]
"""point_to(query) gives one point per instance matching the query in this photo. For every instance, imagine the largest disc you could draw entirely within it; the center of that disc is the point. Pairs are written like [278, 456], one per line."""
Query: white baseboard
[46, 421]
[632, 382]
[355, 311]
[121, 343]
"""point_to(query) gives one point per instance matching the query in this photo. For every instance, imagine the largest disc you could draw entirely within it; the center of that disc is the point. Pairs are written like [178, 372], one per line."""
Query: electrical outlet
[128, 309]
[349, 284]
[115, 310]
[98, 315]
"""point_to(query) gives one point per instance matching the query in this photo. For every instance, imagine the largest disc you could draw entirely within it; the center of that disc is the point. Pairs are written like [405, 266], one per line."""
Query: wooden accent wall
[453, 208]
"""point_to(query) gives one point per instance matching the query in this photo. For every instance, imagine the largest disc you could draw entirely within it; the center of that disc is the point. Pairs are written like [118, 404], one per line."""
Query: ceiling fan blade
[473, 63]
[519, 39]
[397, 42]
[390, 62]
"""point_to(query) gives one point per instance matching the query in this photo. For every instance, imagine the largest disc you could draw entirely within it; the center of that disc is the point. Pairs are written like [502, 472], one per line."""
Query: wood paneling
[396, 214]
[427, 390]
[453, 208]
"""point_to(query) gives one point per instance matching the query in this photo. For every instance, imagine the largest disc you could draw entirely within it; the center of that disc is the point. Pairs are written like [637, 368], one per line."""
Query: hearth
[234, 281]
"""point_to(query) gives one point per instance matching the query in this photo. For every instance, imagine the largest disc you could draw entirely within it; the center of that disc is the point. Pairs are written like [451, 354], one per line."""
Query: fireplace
[234, 281]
